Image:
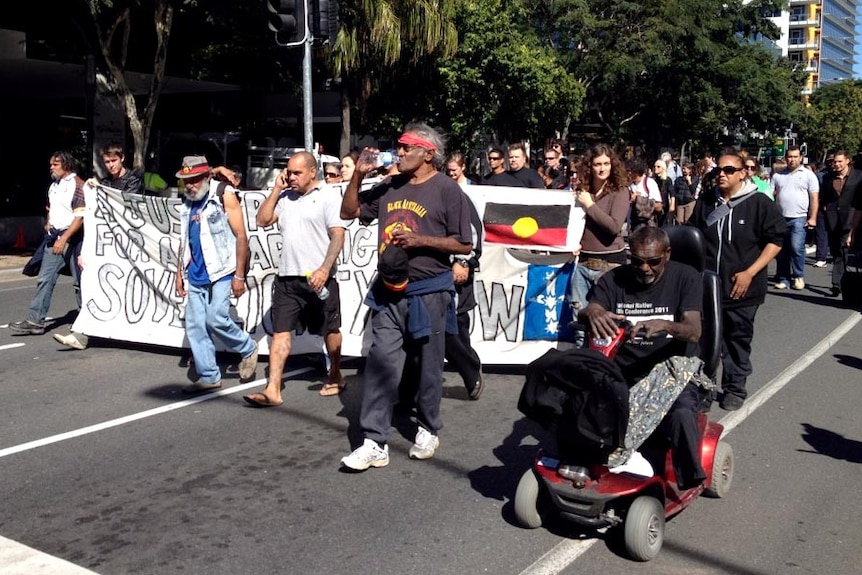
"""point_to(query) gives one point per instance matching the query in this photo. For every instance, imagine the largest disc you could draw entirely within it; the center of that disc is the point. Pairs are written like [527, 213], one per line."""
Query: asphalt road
[105, 464]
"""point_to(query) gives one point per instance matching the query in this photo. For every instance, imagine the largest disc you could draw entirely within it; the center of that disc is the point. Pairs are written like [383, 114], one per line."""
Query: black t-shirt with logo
[679, 289]
[436, 207]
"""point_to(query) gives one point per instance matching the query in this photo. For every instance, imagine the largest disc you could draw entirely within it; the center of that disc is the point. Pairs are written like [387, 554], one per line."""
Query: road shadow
[822, 297]
[831, 444]
[849, 360]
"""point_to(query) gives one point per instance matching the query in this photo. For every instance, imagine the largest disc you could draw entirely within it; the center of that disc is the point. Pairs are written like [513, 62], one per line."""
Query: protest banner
[130, 265]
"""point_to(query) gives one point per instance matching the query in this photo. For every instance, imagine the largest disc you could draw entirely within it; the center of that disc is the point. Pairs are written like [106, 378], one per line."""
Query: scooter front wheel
[644, 528]
[527, 501]
[722, 471]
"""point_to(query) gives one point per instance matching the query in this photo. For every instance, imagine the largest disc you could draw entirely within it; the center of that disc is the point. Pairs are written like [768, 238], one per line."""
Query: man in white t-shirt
[305, 293]
[797, 193]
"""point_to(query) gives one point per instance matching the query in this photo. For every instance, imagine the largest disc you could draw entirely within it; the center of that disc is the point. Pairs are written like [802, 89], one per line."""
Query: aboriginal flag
[517, 224]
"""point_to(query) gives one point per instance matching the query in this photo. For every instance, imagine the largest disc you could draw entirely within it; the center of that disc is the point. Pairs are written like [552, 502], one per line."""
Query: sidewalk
[10, 262]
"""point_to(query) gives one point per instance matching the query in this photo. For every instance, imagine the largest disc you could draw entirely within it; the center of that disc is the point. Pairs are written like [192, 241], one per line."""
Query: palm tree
[376, 34]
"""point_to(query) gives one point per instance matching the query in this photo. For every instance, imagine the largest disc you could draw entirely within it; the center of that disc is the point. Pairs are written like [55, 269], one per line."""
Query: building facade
[821, 36]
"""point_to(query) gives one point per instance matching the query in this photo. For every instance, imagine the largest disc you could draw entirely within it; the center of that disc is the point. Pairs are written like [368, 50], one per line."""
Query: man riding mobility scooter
[598, 479]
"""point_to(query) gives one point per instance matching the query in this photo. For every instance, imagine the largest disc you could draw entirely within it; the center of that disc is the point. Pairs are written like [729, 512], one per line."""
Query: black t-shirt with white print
[679, 289]
[436, 207]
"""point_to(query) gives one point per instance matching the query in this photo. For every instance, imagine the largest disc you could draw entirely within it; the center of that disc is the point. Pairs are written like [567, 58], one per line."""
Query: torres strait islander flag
[535, 225]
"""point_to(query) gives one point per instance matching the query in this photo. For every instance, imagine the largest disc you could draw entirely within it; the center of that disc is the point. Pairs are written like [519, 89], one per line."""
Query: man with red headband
[423, 218]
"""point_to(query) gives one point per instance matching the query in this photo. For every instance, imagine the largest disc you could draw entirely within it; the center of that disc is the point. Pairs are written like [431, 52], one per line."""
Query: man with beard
[423, 219]
[663, 300]
[213, 258]
[744, 231]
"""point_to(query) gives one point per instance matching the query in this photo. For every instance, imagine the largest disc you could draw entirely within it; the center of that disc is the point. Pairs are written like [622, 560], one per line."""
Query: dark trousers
[821, 240]
[736, 336]
[390, 345]
[461, 355]
[839, 255]
[679, 429]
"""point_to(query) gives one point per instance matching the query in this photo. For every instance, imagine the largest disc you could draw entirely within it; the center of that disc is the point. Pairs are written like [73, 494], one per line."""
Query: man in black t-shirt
[664, 302]
[422, 218]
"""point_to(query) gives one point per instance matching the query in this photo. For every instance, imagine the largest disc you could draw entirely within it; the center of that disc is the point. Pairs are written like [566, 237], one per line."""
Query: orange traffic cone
[20, 242]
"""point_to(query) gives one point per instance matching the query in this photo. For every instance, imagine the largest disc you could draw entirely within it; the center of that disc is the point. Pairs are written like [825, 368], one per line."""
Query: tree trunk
[344, 144]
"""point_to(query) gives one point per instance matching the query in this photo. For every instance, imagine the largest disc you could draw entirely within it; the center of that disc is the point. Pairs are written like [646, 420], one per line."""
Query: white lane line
[11, 346]
[18, 559]
[567, 551]
[136, 416]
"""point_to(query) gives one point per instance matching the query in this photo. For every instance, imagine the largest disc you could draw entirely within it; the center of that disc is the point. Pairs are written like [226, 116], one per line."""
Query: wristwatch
[463, 263]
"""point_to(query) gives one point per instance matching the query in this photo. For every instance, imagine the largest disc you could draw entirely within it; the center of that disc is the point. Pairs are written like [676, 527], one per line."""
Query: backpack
[581, 395]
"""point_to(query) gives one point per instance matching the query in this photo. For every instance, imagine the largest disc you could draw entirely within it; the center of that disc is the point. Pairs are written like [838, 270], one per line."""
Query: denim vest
[218, 242]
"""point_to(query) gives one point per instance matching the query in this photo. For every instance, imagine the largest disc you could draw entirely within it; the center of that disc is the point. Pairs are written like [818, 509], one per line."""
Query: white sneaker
[425, 445]
[369, 454]
[780, 285]
[810, 250]
[798, 283]
[820, 264]
[71, 340]
[248, 365]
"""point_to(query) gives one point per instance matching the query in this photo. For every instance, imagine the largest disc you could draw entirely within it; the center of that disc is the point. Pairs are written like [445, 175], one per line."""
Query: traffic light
[324, 21]
[288, 17]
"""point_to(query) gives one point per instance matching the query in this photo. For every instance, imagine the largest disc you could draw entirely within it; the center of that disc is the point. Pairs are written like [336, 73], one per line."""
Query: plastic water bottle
[323, 293]
[384, 159]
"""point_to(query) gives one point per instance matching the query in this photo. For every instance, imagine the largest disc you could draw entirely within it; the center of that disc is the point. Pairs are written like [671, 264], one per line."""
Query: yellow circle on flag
[525, 227]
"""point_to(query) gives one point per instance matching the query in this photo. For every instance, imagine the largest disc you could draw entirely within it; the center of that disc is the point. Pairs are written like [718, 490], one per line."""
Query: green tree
[503, 81]
[113, 23]
[834, 119]
[661, 72]
[375, 36]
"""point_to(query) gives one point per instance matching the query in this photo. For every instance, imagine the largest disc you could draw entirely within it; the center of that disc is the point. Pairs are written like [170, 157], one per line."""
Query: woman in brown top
[602, 193]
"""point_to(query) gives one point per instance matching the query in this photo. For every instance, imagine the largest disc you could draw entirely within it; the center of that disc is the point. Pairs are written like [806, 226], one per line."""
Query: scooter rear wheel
[527, 501]
[644, 528]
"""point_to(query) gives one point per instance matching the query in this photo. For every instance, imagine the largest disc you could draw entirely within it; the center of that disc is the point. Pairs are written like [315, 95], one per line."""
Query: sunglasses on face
[651, 262]
[729, 170]
[330, 175]
[750, 167]
[494, 158]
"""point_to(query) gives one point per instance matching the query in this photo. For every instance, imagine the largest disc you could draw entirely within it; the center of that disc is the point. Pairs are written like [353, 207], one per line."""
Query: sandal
[333, 388]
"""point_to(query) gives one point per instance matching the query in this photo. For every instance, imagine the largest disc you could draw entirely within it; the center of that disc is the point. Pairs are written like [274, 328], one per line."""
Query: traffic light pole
[307, 113]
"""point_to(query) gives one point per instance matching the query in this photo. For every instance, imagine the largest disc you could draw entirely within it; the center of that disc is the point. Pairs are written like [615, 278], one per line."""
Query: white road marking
[136, 416]
[11, 346]
[18, 559]
[567, 551]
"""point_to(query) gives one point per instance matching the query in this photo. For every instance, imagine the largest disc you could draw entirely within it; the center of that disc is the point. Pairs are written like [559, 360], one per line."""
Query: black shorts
[295, 305]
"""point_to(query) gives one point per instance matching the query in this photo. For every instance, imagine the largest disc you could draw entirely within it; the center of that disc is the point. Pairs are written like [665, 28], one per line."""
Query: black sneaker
[731, 402]
[477, 388]
[27, 327]
[835, 291]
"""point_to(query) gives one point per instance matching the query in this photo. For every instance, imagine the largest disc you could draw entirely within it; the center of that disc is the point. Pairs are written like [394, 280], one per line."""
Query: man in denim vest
[212, 261]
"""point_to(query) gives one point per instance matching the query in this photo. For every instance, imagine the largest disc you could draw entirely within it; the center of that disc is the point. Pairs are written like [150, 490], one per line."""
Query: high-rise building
[821, 36]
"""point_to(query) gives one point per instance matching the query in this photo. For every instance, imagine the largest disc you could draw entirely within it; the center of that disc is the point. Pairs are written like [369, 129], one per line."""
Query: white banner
[129, 256]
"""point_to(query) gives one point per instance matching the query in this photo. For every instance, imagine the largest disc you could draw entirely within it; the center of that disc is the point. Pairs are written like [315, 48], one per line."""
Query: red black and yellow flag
[518, 224]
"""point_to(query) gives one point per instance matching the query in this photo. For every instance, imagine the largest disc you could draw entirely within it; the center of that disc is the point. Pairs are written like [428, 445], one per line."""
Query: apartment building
[821, 36]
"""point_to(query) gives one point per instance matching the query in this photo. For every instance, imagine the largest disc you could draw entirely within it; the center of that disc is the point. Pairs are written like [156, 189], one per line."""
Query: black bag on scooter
[581, 395]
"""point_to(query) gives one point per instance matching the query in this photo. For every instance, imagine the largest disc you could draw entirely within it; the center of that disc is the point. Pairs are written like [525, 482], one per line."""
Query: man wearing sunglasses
[498, 176]
[423, 219]
[663, 299]
[744, 231]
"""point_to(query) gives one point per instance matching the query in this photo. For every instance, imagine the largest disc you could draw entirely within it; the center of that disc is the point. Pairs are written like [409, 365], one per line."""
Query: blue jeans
[208, 315]
[52, 265]
[583, 280]
[791, 260]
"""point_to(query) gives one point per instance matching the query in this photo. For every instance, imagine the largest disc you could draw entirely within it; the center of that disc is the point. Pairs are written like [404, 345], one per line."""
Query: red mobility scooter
[591, 495]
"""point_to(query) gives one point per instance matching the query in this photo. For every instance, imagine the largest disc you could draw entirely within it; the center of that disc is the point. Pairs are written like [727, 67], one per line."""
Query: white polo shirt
[792, 189]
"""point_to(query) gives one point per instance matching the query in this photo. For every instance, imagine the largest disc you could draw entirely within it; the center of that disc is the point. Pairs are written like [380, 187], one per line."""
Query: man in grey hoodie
[744, 231]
